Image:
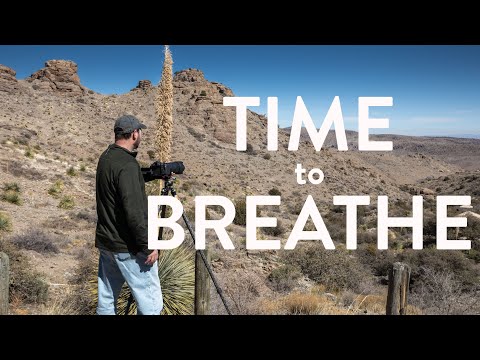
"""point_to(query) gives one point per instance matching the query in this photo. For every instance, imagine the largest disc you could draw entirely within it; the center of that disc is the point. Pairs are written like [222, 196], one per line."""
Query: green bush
[83, 168]
[67, 203]
[203, 93]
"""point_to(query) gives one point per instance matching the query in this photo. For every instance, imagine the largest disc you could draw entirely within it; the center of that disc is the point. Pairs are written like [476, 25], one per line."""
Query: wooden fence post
[4, 283]
[202, 284]
[398, 282]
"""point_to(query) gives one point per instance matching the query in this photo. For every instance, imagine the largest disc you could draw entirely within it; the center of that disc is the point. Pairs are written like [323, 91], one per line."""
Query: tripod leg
[162, 215]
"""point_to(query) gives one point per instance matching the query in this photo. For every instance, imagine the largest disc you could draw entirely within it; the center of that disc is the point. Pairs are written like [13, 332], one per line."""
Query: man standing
[121, 234]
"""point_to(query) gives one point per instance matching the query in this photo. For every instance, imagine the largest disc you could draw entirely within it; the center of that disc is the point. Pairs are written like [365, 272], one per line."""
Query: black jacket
[121, 203]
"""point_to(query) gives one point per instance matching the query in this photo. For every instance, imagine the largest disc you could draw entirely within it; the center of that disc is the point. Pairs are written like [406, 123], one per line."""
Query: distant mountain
[460, 151]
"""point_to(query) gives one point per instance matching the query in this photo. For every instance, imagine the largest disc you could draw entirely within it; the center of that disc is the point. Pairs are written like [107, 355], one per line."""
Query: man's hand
[152, 257]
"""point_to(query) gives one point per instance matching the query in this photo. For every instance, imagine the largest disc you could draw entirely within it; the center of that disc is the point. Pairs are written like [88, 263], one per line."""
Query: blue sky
[435, 89]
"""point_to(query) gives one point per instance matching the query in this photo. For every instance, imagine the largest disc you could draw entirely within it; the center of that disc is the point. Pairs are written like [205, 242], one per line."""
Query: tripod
[169, 189]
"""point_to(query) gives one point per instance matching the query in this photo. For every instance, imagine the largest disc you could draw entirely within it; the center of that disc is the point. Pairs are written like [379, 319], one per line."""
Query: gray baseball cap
[126, 124]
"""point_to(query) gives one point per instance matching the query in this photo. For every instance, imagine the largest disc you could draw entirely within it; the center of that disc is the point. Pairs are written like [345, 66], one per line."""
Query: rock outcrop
[58, 76]
[144, 85]
[8, 81]
[189, 75]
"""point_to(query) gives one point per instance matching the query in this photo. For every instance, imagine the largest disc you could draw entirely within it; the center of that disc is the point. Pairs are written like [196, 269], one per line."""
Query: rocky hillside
[54, 129]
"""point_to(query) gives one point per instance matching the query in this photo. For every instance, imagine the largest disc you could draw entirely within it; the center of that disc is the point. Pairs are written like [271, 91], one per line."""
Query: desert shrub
[185, 186]
[274, 231]
[296, 208]
[5, 222]
[36, 240]
[190, 213]
[242, 290]
[11, 187]
[11, 197]
[151, 154]
[472, 232]
[336, 269]
[464, 269]
[84, 280]
[29, 153]
[284, 278]
[71, 171]
[26, 285]
[56, 188]
[442, 292]
[378, 261]
[241, 212]
[274, 192]
[83, 168]
[474, 255]
[366, 237]
[250, 150]
[11, 193]
[203, 93]
[87, 216]
[67, 203]
[267, 156]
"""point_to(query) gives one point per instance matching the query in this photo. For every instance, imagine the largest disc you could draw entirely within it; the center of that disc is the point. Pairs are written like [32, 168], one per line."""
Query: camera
[159, 170]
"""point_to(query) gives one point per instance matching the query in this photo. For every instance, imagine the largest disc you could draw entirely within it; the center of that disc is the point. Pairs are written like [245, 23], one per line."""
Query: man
[121, 233]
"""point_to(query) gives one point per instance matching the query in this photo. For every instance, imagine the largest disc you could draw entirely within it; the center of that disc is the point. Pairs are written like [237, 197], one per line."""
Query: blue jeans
[116, 268]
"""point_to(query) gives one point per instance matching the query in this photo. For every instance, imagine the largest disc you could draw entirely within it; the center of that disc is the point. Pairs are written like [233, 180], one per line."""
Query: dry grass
[298, 303]
[63, 303]
[26, 284]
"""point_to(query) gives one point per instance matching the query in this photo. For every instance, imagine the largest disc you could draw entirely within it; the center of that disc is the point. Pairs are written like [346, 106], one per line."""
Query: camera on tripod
[159, 170]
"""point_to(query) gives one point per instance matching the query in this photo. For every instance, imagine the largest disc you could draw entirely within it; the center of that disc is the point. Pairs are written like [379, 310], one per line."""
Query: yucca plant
[164, 112]
[176, 270]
